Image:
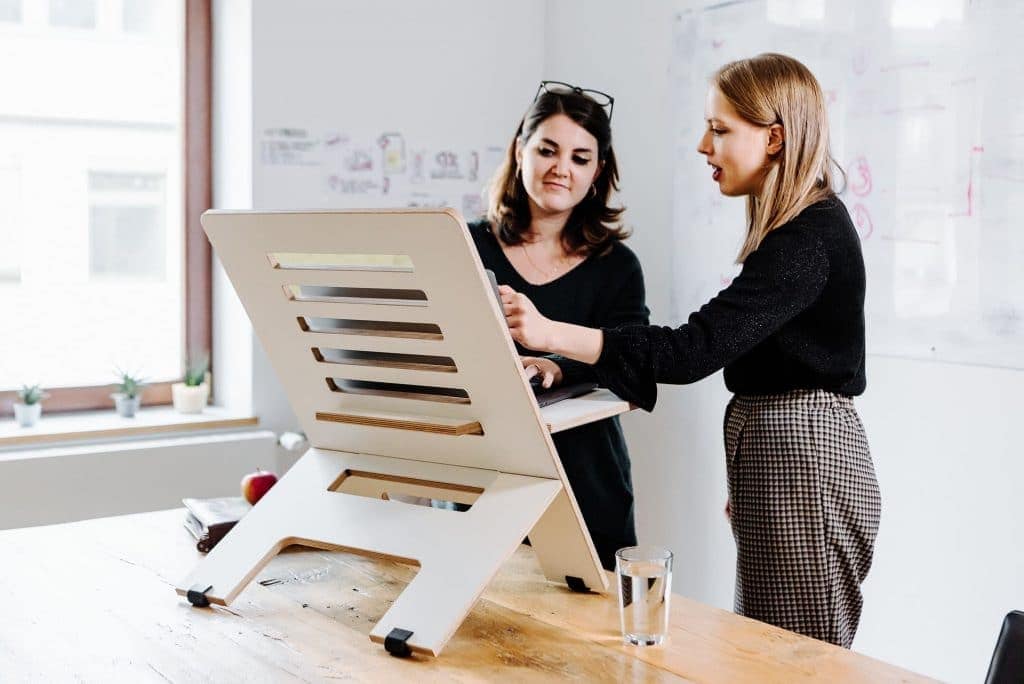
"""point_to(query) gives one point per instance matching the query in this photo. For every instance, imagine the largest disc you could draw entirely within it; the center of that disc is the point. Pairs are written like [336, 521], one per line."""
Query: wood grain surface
[94, 601]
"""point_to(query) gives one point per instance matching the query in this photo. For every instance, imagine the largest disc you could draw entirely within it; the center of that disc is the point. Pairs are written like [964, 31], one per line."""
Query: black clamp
[395, 643]
[577, 585]
[197, 596]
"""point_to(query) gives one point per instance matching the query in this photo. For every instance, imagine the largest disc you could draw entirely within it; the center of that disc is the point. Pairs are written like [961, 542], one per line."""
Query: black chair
[1007, 665]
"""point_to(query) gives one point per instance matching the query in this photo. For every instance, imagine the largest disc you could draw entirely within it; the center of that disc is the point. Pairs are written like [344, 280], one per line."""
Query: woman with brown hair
[551, 233]
[789, 332]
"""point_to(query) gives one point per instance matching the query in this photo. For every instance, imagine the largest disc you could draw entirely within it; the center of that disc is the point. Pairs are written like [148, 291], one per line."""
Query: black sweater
[792, 319]
[603, 290]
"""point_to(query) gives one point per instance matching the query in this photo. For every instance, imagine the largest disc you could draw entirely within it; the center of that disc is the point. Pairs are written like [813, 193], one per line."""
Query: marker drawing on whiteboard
[862, 220]
[392, 147]
[860, 63]
[972, 171]
[861, 185]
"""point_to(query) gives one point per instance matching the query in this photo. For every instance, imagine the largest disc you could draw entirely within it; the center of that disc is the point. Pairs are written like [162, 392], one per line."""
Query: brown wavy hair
[593, 226]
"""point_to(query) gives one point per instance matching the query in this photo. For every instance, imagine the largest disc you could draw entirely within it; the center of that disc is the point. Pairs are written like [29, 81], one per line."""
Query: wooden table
[95, 601]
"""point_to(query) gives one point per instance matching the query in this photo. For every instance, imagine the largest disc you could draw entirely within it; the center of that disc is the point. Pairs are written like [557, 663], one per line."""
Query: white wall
[950, 557]
[949, 560]
[232, 353]
[450, 71]
[678, 467]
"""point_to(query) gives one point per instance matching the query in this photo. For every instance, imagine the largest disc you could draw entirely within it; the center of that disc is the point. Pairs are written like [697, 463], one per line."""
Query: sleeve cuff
[622, 368]
[573, 371]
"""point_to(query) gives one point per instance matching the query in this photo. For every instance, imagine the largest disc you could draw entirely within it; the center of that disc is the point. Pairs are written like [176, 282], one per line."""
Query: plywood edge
[432, 424]
[570, 413]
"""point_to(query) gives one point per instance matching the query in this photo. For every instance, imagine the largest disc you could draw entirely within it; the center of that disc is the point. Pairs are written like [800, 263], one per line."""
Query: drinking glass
[644, 576]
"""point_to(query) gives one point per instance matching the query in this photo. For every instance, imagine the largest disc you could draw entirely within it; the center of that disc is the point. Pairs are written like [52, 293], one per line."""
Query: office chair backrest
[1007, 666]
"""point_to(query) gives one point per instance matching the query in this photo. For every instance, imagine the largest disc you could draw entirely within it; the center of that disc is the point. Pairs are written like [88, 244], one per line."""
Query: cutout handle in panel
[404, 489]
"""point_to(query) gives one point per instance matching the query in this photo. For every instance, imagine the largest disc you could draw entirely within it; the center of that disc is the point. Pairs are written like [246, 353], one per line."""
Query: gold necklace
[546, 274]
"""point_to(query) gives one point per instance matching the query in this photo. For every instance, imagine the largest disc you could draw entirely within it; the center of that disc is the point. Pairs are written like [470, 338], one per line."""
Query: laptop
[551, 395]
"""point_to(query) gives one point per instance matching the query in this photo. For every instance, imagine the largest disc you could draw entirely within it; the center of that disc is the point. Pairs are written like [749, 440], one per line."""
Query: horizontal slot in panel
[343, 326]
[365, 312]
[352, 357]
[447, 395]
[371, 403]
[397, 421]
[355, 295]
[297, 261]
[370, 279]
[404, 489]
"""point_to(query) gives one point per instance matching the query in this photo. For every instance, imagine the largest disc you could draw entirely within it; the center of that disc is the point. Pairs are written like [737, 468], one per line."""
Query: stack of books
[210, 519]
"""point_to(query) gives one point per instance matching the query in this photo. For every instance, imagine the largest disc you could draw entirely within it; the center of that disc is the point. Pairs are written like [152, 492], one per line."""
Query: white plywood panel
[457, 552]
[459, 301]
[501, 430]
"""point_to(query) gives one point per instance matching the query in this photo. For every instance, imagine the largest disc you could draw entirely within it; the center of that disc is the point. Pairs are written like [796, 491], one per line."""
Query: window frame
[198, 197]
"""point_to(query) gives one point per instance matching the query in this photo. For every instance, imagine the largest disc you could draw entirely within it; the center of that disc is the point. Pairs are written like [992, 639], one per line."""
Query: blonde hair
[775, 89]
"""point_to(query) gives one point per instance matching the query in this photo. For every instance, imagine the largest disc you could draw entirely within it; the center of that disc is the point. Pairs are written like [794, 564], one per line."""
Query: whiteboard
[927, 119]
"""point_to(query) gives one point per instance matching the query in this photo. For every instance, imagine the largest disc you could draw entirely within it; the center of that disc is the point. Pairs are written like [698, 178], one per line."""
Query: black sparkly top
[792, 319]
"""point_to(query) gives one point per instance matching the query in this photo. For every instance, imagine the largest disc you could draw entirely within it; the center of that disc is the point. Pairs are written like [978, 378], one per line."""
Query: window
[73, 13]
[10, 10]
[11, 227]
[141, 16]
[103, 176]
[126, 226]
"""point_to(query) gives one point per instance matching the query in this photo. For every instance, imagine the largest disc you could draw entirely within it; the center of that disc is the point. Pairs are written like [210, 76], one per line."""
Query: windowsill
[90, 425]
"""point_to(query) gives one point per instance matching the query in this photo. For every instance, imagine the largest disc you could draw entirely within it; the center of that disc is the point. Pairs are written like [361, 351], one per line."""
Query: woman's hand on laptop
[549, 372]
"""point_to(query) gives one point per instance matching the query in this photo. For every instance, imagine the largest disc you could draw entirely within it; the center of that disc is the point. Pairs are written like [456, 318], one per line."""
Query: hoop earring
[519, 172]
[593, 190]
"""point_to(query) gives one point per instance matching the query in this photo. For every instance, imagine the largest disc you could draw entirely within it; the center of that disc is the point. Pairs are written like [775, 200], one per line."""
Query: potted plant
[128, 395]
[30, 405]
[191, 395]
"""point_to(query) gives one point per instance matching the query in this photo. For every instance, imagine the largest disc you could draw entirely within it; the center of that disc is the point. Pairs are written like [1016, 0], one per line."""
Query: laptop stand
[397, 362]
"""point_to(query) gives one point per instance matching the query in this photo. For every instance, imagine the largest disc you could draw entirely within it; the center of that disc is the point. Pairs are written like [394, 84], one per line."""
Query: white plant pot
[27, 414]
[126, 406]
[189, 399]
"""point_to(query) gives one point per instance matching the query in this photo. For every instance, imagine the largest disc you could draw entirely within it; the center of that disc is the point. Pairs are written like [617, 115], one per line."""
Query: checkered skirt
[804, 510]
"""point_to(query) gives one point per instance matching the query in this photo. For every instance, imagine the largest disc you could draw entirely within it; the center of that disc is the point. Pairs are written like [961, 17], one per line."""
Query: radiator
[65, 484]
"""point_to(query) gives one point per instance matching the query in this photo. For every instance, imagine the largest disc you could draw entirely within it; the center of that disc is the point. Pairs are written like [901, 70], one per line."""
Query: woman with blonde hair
[789, 332]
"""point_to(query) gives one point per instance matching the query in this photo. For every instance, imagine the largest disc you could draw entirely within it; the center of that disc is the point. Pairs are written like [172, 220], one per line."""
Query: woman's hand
[550, 372]
[532, 330]
[528, 327]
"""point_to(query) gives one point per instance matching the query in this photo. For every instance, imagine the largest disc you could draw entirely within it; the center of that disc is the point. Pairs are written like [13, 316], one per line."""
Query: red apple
[255, 485]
